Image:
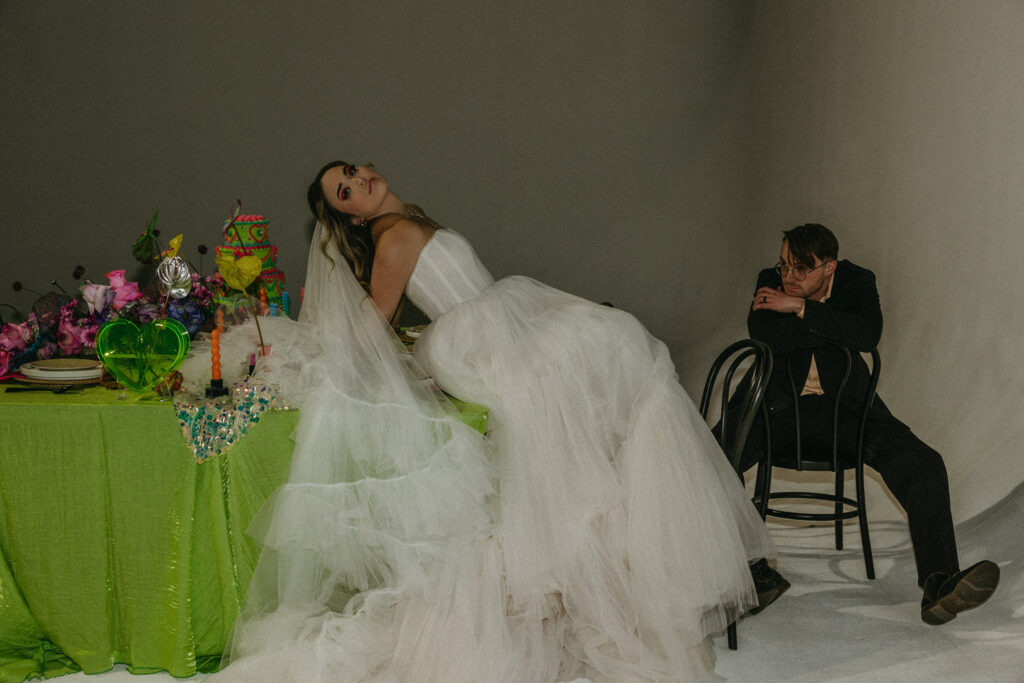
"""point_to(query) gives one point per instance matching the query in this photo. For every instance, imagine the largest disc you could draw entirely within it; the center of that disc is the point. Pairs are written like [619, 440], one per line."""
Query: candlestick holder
[216, 389]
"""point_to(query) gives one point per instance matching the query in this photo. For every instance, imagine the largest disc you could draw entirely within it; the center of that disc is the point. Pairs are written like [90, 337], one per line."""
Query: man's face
[816, 277]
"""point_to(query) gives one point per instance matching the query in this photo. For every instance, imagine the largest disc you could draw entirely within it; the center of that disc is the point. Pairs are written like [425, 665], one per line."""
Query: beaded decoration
[212, 427]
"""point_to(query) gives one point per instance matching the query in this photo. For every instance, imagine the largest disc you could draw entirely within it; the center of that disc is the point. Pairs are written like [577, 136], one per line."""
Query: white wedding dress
[596, 531]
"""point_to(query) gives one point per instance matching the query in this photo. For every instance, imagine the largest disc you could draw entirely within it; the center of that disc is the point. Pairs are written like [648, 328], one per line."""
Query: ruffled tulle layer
[614, 496]
[617, 539]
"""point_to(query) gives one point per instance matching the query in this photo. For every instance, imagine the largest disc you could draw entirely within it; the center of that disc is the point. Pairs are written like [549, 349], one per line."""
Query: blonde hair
[353, 240]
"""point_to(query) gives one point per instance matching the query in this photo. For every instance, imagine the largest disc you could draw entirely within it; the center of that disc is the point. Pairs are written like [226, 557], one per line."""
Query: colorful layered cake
[247, 236]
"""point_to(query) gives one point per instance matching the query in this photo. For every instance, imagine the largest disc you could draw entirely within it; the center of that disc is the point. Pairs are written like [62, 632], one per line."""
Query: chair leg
[840, 485]
[731, 636]
[862, 516]
[763, 488]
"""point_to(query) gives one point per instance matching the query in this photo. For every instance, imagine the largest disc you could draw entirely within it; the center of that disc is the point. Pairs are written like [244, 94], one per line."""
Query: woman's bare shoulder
[403, 232]
[401, 240]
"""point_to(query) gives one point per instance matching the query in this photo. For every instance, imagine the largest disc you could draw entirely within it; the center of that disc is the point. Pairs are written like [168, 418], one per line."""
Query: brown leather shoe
[946, 596]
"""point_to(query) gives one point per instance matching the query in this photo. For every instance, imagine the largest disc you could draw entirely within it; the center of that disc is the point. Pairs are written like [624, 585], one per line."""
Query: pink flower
[15, 337]
[67, 339]
[116, 278]
[95, 296]
[87, 333]
[70, 334]
[123, 291]
[5, 362]
[48, 350]
[68, 310]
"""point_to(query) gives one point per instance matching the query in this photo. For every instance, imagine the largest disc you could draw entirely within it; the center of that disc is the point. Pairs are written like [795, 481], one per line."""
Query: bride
[595, 532]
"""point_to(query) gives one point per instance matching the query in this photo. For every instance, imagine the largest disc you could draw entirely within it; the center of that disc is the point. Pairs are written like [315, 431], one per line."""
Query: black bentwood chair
[826, 457]
[747, 396]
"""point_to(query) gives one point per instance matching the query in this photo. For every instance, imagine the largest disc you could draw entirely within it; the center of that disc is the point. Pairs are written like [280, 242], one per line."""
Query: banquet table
[116, 546]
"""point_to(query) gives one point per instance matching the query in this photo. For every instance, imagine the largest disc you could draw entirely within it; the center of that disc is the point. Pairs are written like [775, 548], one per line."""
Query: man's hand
[776, 300]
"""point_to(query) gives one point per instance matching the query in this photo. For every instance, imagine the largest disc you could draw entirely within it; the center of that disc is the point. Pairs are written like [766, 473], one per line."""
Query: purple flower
[187, 312]
[141, 312]
[48, 350]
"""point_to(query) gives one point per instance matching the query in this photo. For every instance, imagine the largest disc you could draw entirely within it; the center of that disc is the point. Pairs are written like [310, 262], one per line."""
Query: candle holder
[216, 389]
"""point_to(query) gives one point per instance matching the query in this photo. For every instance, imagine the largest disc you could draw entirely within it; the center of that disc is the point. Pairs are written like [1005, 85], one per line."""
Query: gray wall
[647, 153]
[593, 145]
[900, 124]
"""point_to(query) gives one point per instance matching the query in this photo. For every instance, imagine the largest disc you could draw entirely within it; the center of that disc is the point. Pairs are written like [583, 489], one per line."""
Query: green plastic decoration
[140, 357]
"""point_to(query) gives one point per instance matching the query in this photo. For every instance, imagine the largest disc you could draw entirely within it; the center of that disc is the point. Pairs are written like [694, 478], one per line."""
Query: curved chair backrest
[833, 462]
[746, 396]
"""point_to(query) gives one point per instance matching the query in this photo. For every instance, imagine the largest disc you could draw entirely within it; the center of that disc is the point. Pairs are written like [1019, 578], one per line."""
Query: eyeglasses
[799, 272]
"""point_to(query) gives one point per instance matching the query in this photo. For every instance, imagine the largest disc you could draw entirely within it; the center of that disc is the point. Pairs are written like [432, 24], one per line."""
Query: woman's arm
[397, 249]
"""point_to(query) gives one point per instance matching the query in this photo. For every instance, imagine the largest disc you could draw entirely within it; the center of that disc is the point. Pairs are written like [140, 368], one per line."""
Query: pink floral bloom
[67, 339]
[117, 279]
[5, 362]
[48, 350]
[87, 333]
[124, 291]
[95, 296]
[15, 337]
[68, 310]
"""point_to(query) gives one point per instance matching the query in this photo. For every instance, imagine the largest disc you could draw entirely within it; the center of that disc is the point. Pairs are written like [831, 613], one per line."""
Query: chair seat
[808, 465]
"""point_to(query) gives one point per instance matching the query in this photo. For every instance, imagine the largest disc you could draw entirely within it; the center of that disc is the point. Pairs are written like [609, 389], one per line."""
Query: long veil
[387, 491]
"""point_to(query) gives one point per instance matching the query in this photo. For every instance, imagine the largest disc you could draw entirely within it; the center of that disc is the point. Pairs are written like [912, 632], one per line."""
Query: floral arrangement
[59, 324]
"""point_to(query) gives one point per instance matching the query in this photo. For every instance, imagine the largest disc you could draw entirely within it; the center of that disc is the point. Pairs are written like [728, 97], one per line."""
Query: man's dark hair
[810, 240]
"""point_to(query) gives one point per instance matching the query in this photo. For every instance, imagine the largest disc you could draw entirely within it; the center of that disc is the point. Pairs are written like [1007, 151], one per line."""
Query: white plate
[64, 364]
[30, 371]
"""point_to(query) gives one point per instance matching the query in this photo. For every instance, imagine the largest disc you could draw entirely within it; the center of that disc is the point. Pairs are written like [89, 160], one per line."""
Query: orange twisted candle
[215, 355]
[264, 306]
[220, 319]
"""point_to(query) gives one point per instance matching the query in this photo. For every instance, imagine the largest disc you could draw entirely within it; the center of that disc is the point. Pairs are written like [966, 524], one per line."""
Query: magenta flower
[68, 310]
[67, 338]
[15, 337]
[5, 362]
[124, 291]
[87, 333]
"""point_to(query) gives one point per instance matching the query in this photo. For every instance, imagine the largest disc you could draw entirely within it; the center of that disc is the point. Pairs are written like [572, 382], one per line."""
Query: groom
[809, 296]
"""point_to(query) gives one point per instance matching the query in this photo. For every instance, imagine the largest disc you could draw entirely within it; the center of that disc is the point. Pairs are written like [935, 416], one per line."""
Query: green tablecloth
[115, 546]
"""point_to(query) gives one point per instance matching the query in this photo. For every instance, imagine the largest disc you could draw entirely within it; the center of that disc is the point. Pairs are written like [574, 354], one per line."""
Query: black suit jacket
[852, 316]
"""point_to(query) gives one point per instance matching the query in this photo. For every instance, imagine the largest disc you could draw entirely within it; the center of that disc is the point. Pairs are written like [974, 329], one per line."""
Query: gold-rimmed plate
[63, 364]
[30, 371]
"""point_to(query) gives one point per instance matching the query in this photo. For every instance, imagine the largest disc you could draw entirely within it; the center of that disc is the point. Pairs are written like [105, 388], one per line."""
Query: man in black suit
[810, 296]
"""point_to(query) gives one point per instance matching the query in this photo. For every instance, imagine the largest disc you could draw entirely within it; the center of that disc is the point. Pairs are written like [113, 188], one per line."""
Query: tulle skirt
[596, 532]
[620, 519]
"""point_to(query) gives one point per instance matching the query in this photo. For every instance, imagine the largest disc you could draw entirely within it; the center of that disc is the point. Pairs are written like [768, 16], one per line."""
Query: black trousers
[913, 471]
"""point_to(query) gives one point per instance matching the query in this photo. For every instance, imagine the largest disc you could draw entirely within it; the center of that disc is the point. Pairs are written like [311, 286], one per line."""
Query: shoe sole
[767, 598]
[973, 589]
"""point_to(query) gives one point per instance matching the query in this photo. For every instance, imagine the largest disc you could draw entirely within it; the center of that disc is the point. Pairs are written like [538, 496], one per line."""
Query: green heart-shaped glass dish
[139, 357]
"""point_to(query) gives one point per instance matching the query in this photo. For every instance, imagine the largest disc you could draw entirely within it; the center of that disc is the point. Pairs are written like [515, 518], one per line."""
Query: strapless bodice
[447, 273]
